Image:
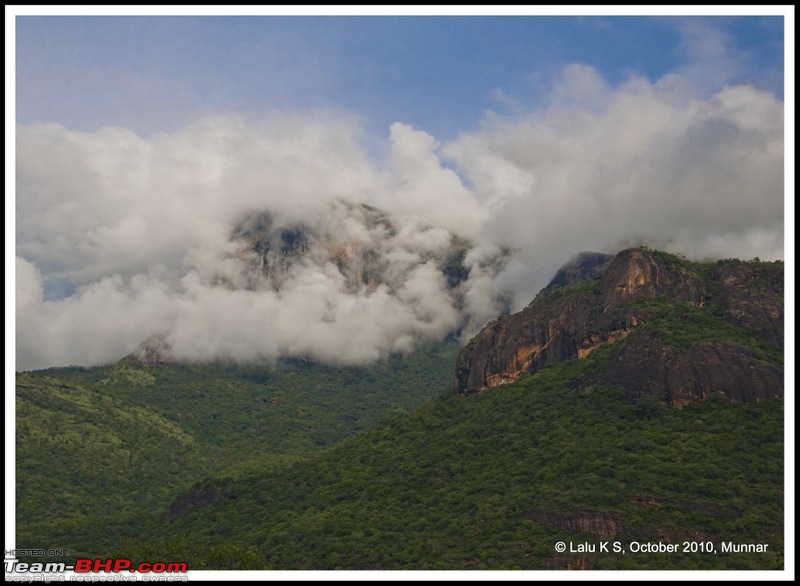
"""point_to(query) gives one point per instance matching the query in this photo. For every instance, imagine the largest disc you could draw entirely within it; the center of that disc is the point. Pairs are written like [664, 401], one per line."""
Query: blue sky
[439, 74]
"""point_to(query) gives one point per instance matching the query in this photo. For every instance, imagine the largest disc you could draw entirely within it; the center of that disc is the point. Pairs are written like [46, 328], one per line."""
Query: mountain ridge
[567, 451]
[618, 303]
[348, 284]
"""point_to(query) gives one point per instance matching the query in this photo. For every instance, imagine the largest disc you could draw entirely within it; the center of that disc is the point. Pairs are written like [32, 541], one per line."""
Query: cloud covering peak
[121, 236]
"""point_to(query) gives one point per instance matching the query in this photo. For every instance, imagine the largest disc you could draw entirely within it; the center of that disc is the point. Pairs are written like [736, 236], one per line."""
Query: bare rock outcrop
[573, 319]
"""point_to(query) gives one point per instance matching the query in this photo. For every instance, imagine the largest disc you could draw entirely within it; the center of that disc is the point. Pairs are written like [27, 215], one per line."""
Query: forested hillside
[634, 404]
[496, 480]
[102, 451]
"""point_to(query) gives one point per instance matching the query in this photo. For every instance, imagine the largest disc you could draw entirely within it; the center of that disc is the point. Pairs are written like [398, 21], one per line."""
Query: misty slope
[99, 450]
[564, 453]
[340, 283]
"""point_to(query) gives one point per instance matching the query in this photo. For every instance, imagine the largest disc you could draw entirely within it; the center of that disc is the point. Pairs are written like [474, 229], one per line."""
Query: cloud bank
[121, 236]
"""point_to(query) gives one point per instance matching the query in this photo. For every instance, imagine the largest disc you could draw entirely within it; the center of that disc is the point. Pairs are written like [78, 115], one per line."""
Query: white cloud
[141, 226]
[102, 320]
[709, 59]
[420, 185]
[581, 87]
[90, 204]
[684, 175]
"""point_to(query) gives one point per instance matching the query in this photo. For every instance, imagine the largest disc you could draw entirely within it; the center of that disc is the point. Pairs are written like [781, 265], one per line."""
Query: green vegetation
[710, 271]
[490, 481]
[671, 261]
[102, 452]
[588, 286]
[301, 466]
[682, 325]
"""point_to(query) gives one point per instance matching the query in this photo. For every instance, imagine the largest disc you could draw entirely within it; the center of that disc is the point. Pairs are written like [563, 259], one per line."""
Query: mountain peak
[352, 237]
[154, 350]
[345, 284]
[681, 329]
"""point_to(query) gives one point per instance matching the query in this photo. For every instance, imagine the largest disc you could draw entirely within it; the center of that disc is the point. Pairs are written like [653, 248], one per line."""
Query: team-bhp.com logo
[88, 565]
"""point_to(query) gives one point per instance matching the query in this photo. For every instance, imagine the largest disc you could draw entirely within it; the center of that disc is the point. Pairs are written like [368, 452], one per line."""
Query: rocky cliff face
[344, 260]
[152, 351]
[677, 376]
[272, 248]
[645, 299]
[750, 296]
[359, 240]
